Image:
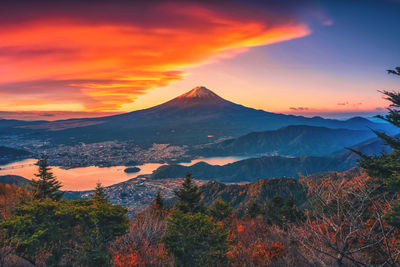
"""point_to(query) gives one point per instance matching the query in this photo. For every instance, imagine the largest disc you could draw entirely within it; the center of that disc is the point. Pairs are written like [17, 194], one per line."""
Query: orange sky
[82, 58]
[68, 63]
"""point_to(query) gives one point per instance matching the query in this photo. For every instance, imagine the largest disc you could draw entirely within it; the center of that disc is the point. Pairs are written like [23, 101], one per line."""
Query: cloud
[99, 57]
[342, 103]
[298, 108]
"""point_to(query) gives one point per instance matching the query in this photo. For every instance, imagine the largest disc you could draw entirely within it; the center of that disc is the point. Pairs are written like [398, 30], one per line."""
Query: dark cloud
[298, 108]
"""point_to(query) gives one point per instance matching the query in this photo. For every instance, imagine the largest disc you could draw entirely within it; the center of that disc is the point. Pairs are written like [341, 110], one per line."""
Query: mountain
[8, 154]
[240, 195]
[197, 117]
[373, 146]
[13, 179]
[295, 140]
[254, 168]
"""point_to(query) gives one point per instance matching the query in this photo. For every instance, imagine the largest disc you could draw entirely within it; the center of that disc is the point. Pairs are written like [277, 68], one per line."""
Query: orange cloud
[77, 64]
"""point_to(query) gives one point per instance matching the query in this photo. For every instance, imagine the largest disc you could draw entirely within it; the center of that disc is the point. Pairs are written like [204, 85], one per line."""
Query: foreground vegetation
[342, 219]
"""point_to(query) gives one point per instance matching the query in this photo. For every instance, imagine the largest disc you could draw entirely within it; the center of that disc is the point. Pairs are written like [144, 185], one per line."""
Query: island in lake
[132, 170]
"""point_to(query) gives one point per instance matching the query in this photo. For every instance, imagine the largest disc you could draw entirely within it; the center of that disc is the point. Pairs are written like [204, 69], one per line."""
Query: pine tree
[253, 210]
[385, 167]
[220, 210]
[159, 201]
[195, 240]
[46, 186]
[99, 193]
[189, 196]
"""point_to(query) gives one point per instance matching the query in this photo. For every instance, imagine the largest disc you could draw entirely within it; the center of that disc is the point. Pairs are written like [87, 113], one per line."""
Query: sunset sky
[65, 59]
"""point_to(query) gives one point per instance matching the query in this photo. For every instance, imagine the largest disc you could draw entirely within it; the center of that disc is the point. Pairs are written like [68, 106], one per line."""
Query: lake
[85, 178]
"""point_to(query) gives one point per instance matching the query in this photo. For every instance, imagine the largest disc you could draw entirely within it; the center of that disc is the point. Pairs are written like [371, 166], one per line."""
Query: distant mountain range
[255, 168]
[196, 117]
[295, 140]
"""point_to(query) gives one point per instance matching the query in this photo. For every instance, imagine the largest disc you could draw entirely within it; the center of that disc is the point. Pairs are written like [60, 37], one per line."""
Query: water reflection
[85, 178]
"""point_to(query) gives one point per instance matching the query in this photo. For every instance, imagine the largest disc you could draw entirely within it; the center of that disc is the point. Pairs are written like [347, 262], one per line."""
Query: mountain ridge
[197, 117]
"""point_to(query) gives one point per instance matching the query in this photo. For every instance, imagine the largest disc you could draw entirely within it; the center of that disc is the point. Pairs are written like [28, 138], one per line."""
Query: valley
[214, 139]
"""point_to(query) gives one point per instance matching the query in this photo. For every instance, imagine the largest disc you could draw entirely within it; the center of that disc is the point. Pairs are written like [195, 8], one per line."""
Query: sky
[62, 59]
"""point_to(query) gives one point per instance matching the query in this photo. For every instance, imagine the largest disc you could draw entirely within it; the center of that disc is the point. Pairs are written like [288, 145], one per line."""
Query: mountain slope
[13, 179]
[8, 154]
[196, 117]
[254, 168]
[296, 140]
[239, 196]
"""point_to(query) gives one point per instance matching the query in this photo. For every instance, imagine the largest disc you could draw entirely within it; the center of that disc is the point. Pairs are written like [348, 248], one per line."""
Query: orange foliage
[252, 243]
[141, 246]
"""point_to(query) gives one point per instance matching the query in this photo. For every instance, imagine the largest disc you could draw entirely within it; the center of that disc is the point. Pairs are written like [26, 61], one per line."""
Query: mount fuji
[196, 117]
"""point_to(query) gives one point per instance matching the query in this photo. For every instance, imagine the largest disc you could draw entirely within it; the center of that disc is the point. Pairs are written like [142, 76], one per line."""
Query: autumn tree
[256, 243]
[142, 246]
[46, 186]
[345, 224]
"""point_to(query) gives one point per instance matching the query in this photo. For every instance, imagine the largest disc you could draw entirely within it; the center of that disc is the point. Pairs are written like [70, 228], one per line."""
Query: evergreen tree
[385, 167]
[194, 240]
[75, 233]
[189, 196]
[220, 210]
[290, 211]
[46, 186]
[159, 201]
[99, 193]
[253, 210]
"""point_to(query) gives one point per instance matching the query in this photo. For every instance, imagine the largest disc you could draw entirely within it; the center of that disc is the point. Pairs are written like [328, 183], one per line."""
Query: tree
[194, 240]
[220, 210]
[141, 246]
[345, 225]
[72, 233]
[385, 167]
[159, 201]
[99, 193]
[47, 186]
[189, 196]
[253, 210]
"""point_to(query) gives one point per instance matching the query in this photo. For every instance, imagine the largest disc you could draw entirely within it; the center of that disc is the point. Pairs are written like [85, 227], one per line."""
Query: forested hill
[254, 168]
[8, 154]
[13, 179]
[294, 140]
[240, 195]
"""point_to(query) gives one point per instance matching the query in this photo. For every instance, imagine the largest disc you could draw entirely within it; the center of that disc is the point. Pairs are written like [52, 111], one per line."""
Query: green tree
[194, 240]
[189, 196]
[46, 186]
[159, 201]
[253, 210]
[99, 193]
[75, 233]
[220, 210]
[385, 167]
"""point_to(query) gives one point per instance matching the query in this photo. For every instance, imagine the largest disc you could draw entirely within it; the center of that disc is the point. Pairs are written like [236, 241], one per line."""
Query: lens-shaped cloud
[70, 61]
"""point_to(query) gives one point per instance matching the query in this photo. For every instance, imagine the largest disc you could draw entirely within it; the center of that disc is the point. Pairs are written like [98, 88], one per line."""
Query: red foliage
[252, 243]
[141, 246]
